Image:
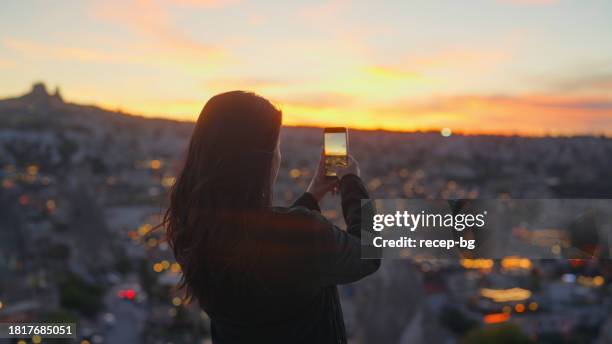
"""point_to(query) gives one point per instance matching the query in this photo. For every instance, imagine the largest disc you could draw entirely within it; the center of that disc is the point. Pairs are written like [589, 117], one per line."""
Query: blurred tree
[456, 321]
[497, 334]
[79, 295]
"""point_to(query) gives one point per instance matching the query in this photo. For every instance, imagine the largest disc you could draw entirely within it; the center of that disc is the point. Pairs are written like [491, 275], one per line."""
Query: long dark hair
[226, 177]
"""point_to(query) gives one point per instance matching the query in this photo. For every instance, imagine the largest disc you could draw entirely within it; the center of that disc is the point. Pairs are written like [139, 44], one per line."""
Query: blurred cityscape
[82, 189]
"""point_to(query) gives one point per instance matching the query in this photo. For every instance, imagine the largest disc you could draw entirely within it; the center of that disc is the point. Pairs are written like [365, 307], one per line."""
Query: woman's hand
[352, 168]
[320, 185]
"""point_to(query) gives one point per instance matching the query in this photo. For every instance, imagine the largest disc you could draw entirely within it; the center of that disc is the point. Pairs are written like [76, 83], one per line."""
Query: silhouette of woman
[262, 273]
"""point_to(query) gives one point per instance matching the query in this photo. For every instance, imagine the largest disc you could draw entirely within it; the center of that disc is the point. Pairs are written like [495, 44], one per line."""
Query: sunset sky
[495, 66]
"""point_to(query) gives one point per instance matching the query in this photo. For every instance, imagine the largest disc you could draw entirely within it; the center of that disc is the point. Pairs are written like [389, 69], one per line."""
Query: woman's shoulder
[296, 211]
[299, 212]
[295, 219]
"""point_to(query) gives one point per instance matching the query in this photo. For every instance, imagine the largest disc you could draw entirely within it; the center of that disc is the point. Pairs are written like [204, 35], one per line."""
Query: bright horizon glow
[528, 67]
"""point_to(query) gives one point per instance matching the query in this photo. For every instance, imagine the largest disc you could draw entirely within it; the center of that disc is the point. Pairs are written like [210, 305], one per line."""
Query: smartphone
[336, 153]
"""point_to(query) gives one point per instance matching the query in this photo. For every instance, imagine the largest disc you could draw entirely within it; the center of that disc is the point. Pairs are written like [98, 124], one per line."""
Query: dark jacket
[288, 293]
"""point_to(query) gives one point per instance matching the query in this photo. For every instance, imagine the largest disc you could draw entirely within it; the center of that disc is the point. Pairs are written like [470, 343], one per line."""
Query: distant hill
[59, 136]
[42, 127]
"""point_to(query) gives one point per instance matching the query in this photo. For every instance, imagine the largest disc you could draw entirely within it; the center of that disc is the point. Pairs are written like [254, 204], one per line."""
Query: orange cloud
[392, 72]
[178, 109]
[246, 83]
[320, 101]
[5, 63]
[461, 57]
[45, 51]
[530, 114]
[148, 18]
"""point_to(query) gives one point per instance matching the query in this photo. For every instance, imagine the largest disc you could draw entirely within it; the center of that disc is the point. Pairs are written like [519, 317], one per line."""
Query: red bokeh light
[129, 294]
[24, 199]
